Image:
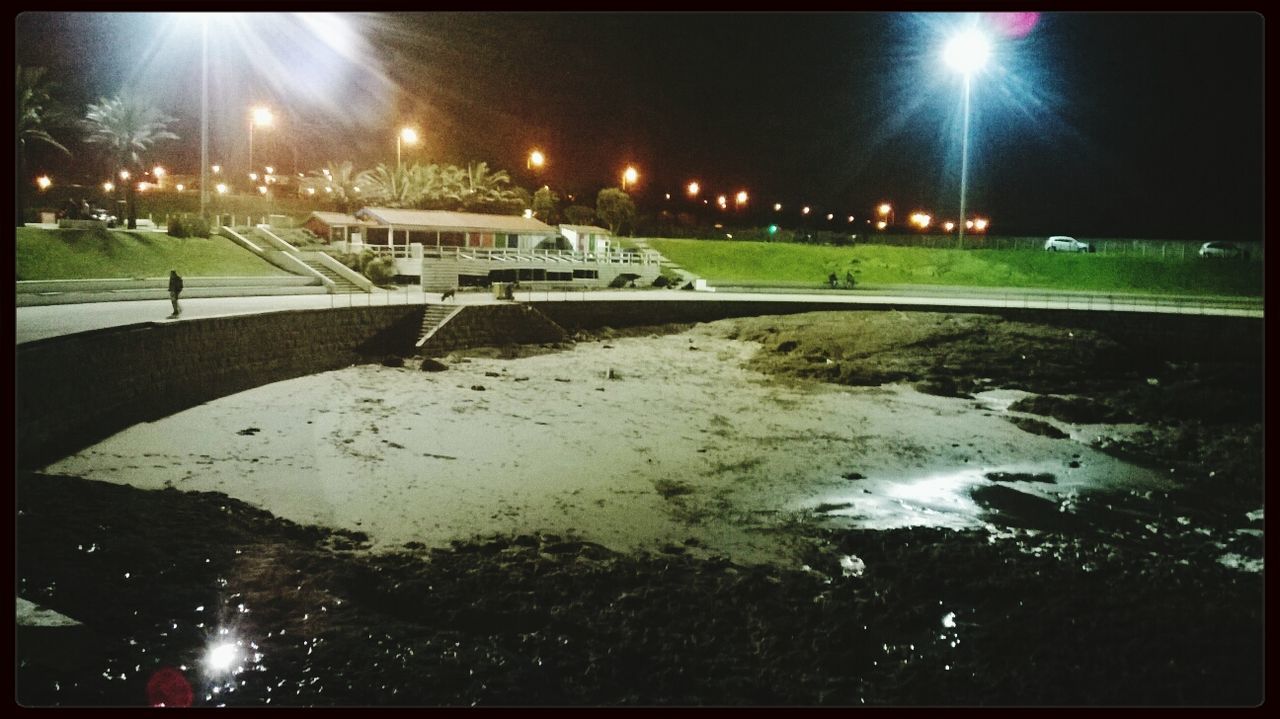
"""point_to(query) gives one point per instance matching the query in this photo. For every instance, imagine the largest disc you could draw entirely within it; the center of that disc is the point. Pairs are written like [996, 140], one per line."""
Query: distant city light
[741, 197]
[124, 174]
[777, 207]
[262, 189]
[221, 188]
[722, 201]
[180, 187]
[851, 218]
[108, 186]
[216, 169]
[43, 181]
[881, 225]
[693, 189]
[830, 216]
[804, 211]
[980, 225]
[948, 225]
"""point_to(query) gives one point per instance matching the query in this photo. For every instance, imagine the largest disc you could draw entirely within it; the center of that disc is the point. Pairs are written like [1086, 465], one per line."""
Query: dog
[448, 293]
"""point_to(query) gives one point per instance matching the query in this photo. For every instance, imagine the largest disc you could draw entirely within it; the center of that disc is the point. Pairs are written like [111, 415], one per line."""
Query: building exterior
[587, 238]
[461, 249]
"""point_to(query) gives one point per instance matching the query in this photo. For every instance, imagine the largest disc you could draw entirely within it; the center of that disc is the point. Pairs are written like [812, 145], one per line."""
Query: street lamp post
[204, 115]
[535, 160]
[259, 116]
[966, 53]
[409, 136]
[629, 177]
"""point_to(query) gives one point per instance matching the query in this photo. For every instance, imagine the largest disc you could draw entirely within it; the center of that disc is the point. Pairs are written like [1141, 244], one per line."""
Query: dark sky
[1146, 125]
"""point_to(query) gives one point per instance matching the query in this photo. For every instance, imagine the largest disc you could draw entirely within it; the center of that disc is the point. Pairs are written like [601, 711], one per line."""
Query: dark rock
[851, 476]
[1035, 426]
[1044, 477]
[492, 374]
[249, 431]
[431, 365]
[393, 361]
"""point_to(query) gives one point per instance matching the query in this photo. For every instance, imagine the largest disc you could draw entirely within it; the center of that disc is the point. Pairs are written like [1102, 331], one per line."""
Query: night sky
[1099, 125]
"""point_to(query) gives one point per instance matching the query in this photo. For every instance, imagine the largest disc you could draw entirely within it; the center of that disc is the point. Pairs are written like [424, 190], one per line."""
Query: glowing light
[262, 117]
[777, 207]
[253, 176]
[221, 657]
[528, 214]
[330, 189]
[409, 135]
[1014, 24]
[722, 201]
[968, 224]
[967, 52]
[693, 188]
[311, 190]
[216, 169]
[629, 176]
[741, 197]
[881, 225]
[144, 186]
[884, 209]
[221, 188]
[920, 219]
[158, 172]
[270, 170]
[108, 186]
[851, 218]
[979, 225]
[536, 158]
[43, 182]
[668, 195]
[262, 189]
[948, 225]
[830, 216]
[124, 174]
[180, 187]
[804, 211]
[949, 620]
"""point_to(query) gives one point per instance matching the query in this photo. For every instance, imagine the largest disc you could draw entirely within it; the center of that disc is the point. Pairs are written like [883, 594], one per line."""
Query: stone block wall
[493, 326]
[77, 389]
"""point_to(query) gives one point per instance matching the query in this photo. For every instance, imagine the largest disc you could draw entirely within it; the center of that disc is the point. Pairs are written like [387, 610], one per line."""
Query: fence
[1162, 249]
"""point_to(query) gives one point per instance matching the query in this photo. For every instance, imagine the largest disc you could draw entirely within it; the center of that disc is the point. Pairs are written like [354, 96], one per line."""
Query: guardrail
[511, 254]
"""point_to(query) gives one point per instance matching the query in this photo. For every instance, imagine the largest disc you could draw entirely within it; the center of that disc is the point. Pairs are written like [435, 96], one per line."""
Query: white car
[1062, 243]
[1220, 249]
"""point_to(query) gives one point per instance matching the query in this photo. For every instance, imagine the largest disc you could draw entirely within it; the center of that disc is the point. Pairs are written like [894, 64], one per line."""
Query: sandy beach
[632, 442]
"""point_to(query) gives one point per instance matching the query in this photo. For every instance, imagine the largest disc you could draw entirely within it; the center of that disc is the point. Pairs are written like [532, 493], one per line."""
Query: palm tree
[127, 126]
[483, 189]
[391, 186]
[36, 110]
[337, 182]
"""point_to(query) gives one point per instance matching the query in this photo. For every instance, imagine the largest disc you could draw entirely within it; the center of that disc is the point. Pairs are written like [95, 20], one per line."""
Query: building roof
[336, 218]
[455, 221]
[586, 229]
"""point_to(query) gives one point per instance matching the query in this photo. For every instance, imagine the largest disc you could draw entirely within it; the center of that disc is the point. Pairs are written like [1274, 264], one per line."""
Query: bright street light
[124, 174]
[629, 177]
[108, 186]
[258, 117]
[805, 210]
[948, 225]
[777, 207]
[222, 188]
[966, 53]
[43, 182]
[884, 208]
[536, 160]
[722, 201]
[741, 197]
[693, 188]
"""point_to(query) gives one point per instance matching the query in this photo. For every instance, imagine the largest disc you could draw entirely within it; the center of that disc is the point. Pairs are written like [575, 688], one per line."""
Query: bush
[188, 226]
[380, 270]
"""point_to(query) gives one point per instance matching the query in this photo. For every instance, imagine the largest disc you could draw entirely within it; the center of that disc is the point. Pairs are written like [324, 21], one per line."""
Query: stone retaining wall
[493, 326]
[77, 389]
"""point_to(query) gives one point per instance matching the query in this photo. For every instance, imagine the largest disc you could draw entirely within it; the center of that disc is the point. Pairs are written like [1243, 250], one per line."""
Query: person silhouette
[175, 289]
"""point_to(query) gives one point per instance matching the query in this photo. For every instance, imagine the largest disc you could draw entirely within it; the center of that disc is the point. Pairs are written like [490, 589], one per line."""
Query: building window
[586, 274]
[376, 236]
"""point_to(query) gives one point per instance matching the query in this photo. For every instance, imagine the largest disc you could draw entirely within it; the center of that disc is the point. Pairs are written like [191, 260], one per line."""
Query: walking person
[175, 289]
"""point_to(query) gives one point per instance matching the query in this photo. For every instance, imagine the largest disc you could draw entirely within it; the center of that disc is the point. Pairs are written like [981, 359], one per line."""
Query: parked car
[103, 216]
[1221, 249]
[1062, 243]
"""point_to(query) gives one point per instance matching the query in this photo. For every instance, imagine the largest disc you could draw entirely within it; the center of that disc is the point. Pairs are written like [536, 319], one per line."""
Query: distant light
[722, 201]
[830, 216]
[804, 211]
[536, 158]
[124, 174]
[773, 229]
[262, 117]
[330, 189]
[851, 218]
[777, 207]
[357, 189]
[216, 169]
[108, 186]
[967, 52]
[528, 214]
[270, 170]
[221, 657]
[741, 197]
[409, 136]
[885, 209]
[311, 190]
[43, 182]
[180, 187]
[325, 171]
[158, 172]
[630, 175]
[968, 224]
[668, 195]
[693, 189]
[980, 225]
[262, 189]
[253, 176]
[881, 225]
[221, 188]
[948, 225]
[144, 186]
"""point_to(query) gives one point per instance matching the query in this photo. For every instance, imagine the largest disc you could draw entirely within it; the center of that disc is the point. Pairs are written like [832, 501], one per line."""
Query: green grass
[726, 262]
[106, 254]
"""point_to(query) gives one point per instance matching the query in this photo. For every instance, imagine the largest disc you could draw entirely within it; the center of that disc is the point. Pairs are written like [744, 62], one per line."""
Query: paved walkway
[33, 323]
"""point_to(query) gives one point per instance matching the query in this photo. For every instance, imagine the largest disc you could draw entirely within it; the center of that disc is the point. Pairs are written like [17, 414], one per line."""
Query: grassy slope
[789, 264]
[94, 254]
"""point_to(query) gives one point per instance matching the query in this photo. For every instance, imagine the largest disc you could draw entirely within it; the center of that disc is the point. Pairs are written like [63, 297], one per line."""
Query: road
[34, 323]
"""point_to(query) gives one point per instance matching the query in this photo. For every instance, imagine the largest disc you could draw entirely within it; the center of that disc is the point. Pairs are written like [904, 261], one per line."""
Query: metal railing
[512, 254]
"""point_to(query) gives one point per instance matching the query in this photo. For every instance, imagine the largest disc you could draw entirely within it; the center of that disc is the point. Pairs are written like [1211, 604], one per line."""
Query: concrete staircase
[341, 285]
[433, 318]
[686, 276]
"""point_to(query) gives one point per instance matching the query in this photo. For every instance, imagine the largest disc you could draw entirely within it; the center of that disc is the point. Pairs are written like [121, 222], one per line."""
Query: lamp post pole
[204, 116]
[964, 159]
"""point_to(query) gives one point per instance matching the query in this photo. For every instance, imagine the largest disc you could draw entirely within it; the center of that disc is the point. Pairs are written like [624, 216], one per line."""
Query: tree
[391, 186]
[579, 215]
[544, 205]
[486, 190]
[615, 208]
[36, 112]
[336, 183]
[127, 126]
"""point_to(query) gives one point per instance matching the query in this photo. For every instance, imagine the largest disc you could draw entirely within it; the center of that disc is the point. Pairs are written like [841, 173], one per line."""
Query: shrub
[188, 226]
[380, 270]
